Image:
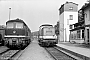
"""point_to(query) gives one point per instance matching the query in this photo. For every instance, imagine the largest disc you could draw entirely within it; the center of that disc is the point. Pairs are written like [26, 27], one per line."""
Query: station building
[86, 9]
[80, 33]
[77, 32]
[68, 14]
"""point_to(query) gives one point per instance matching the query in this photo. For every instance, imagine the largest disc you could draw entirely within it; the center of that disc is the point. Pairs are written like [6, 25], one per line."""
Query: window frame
[70, 17]
[20, 23]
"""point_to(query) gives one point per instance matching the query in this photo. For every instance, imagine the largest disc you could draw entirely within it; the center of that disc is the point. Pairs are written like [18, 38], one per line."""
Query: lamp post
[9, 13]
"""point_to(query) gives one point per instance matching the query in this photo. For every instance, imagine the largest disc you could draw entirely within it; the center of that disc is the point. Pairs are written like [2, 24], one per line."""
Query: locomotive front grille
[14, 41]
[14, 31]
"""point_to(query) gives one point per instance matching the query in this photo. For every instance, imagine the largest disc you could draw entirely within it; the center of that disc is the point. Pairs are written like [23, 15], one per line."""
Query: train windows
[10, 25]
[19, 25]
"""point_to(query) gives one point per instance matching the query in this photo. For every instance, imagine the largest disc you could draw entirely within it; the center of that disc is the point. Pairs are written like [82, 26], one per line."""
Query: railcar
[47, 36]
[17, 34]
[2, 32]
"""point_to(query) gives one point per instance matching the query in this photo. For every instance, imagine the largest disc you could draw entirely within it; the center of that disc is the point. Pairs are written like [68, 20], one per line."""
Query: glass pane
[19, 25]
[49, 31]
[10, 25]
[71, 17]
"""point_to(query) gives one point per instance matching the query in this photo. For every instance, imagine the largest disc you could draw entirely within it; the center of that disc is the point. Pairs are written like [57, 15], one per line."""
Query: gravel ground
[3, 48]
[35, 52]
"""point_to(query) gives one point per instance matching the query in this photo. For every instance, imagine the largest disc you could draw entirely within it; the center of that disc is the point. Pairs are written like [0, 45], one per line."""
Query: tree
[80, 15]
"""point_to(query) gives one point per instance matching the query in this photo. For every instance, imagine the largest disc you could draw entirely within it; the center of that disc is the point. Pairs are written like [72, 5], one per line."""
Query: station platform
[80, 50]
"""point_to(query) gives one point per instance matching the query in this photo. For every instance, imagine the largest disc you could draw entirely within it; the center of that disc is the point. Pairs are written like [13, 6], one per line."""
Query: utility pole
[9, 13]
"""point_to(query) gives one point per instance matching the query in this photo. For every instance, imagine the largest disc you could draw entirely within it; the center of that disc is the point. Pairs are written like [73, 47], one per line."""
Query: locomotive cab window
[49, 32]
[10, 25]
[19, 25]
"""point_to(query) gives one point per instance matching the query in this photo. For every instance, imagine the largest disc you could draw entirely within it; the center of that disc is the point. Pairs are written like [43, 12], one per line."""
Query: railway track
[59, 54]
[8, 55]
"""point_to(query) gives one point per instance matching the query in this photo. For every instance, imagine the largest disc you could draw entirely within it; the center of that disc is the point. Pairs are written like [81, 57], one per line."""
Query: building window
[71, 35]
[82, 33]
[78, 34]
[71, 17]
[86, 15]
[88, 34]
[74, 36]
[89, 15]
[70, 27]
[71, 8]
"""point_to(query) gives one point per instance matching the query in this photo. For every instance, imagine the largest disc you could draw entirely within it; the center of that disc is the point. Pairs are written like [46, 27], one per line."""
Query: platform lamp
[9, 13]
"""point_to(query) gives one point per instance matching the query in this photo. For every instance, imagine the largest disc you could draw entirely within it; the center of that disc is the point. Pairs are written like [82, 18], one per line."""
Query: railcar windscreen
[19, 25]
[49, 31]
[10, 25]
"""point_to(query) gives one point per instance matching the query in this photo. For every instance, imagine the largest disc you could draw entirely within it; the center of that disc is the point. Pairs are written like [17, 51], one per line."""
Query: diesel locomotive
[47, 36]
[17, 34]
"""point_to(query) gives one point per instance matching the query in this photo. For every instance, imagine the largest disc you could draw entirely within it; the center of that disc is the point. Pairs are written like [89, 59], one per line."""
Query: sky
[33, 12]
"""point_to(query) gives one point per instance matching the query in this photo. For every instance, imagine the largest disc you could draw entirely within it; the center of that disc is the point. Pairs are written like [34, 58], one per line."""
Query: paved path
[3, 48]
[35, 52]
[76, 49]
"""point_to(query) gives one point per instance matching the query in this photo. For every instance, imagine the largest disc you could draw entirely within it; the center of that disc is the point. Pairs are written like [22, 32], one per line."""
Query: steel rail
[59, 54]
[69, 54]
[8, 55]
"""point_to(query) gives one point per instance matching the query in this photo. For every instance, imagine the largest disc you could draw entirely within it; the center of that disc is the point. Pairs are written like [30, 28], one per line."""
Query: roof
[85, 6]
[82, 27]
[16, 20]
[87, 25]
[46, 25]
[66, 3]
[79, 23]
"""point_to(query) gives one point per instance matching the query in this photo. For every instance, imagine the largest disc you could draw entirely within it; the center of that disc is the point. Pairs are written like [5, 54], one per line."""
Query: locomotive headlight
[19, 40]
[55, 36]
[14, 32]
[6, 40]
[10, 40]
[22, 39]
